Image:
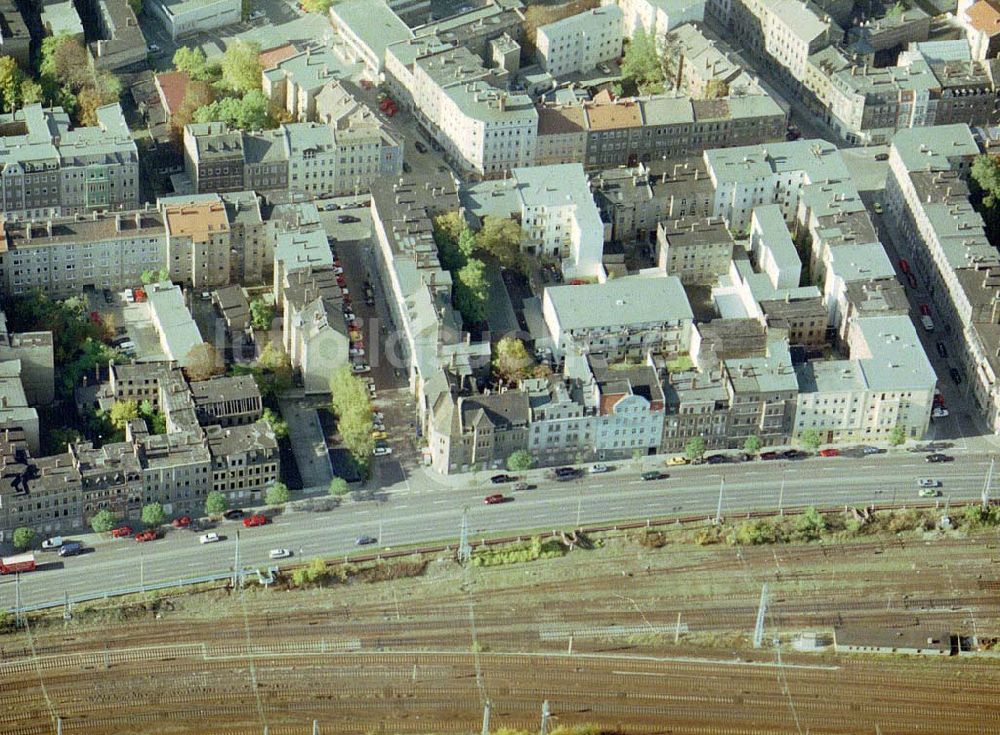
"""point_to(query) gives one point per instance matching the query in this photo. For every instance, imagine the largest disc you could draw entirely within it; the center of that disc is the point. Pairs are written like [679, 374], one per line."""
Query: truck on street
[17, 563]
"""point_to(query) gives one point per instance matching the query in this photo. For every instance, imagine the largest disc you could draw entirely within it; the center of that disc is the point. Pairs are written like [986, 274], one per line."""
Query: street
[423, 509]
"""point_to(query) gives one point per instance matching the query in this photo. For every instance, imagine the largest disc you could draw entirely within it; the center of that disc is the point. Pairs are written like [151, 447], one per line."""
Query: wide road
[433, 513]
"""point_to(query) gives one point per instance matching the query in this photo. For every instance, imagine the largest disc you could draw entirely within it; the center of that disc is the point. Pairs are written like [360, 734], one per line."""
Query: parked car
[360, 367]
[152, 48]
[925, 310]
[939, 413]
[257, 15]
[421, 148]
[71, 548]
[209, 538]
[121, 532]
[677, 460]
[279, 553]
[495, 499]
[941, 349]
[829, 453]
[346, 219]
[144, 536]
[381, 450]
[379, 434]
[794, 454]
[956, 376]
[599, 469]
[654, 475]
[51, 544]
[365, 540]
[937, 457]
[257, 519]
[877, 207]
[716, 459]
[904, 265]
[500, 479]
[881, 156]
[181, 522]
[522, 486]
[769, 455]
[233, 514]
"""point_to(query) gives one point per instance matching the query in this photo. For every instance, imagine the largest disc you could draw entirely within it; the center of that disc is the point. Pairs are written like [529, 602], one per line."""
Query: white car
[939, 413]
[599, 469]
[152, 48]
[360, 367]
[208, 538]
[927, 482]
[279, 553]
[256, 14]
[52, 543]
[382, 451]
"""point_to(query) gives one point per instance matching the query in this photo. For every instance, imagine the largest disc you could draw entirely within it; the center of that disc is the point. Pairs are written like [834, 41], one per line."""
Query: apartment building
[623, 317]
[314, 333]
[944, 239]
[418, 289]
[177, 332]
[66, 255]
[695, 250]
[705, 68]
[630, 409]
[184, 17]
[213, 157]
[981, 21]
[245, 460]
[51, 170]
[763, 391]
[783, 32]
[467, 433]
[555, 209]
[298, 249]
[198, 242]
[484, 128]
[580, 42]
[117, 42]
[293, 83]
[629, 131]
[265, 160]
[227, 400]
[657, 17]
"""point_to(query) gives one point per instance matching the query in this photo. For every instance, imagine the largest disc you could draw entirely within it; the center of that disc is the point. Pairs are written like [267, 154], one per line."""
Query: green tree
[470, 291]
[241, 67]
[103, 521]
[261, 314]
[752, 445]
[202, 362]
[278, 425]
[277, 494]
[810, 525]
[59, 439]
[215, 503]
[249, 112]
[24, 537]
[810, 439]
[11, 79]
[122, 412]
[277, 367]
[193, 61]
[986, 173]
[153, 515]
[317, 6]
[64, 62]
[136, 6]
[352, 406]
[520, 461]
[467, 242]
[199, 94]
[695, 448]
[897, 436]
[511, 360]
[339, 487]
[641, 63]
[155, 420]
[501, 238]
[31, 92]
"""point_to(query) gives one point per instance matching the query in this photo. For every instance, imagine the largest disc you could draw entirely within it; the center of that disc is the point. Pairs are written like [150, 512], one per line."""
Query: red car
[341, 281]
[494, 499]
[904, 265]
[181, 522]
[925, 310]
[121, 532]
[144, 536]
[255, 520]
[829, 453]
[912, 279]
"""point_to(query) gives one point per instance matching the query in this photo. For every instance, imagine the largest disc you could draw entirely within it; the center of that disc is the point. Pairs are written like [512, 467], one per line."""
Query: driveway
[308, 442]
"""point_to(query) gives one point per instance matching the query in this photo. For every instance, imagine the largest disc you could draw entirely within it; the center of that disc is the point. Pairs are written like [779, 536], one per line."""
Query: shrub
[24, 537]
[103, 521]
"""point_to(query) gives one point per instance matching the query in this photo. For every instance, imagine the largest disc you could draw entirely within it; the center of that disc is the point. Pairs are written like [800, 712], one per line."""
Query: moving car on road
[928, 492]
[937, 457]
[522, 486]
[71, 548]
[500, 479]
[279, 553]
[495, 499]
[51, 544]
[257, 519]
[928, 482]
[209, 538]
[365, 540]
[599, 469]
[654, 475]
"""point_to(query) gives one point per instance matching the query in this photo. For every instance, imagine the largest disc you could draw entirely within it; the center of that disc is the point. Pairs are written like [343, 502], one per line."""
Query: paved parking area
[308, 442]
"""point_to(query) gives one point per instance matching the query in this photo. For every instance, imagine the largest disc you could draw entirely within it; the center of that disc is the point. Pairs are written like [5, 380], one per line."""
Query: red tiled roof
[271, 57]
[172, 86]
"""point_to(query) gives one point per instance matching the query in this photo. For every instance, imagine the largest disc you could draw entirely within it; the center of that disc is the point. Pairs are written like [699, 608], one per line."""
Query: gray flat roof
[620, 301]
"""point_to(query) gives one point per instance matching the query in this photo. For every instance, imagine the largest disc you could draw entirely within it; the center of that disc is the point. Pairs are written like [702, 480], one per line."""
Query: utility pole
[464, 550]
[142, 573]
[718, 510]
[545, 718]
[67, 609]
[236, 561]
[315, 727]
[987, 483]
[758, 631]
[486, 717]
[781, 494]
[579, 510]
[17, 600]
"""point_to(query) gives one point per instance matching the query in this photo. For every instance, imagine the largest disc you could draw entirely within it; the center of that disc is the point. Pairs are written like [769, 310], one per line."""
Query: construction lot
[594, 632]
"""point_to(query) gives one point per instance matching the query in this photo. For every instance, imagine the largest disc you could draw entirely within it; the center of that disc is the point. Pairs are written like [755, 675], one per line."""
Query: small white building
[657, 16]
[580, 42]
[184, 17]
[172, 321]
[772, 248]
